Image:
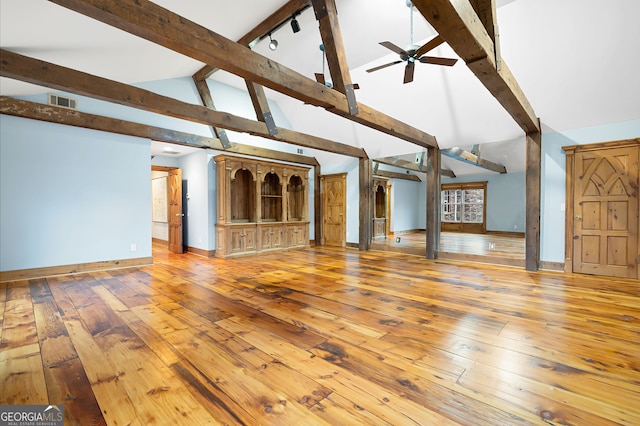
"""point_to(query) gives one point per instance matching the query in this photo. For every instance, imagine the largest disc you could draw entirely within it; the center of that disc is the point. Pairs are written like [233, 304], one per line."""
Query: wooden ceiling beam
[397, 175]
[473, 159]
[145, 19]
[457, 22]
[207, 100]
[46, 74]
[409, 165]
[261, 106]
[327, 16]
[65, 116]
[486, 11]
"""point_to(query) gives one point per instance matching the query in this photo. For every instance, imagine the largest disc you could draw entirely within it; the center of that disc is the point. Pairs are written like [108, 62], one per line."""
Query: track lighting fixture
[273, 44]
[294, 24]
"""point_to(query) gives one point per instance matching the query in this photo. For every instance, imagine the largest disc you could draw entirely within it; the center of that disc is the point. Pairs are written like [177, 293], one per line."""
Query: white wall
[71, 195]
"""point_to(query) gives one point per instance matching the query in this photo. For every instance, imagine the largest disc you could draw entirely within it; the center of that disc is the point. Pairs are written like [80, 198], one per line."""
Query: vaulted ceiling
[576, 62]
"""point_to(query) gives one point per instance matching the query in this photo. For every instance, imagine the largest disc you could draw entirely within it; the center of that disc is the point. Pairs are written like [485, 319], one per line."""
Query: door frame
[570, 193]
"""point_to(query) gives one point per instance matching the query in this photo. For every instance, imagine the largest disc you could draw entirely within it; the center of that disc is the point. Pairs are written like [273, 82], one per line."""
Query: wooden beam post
[317, 204]
[327, 16]
[365, 203]
[433, 202]
[261, 106]
[533, 174]
[207, 100]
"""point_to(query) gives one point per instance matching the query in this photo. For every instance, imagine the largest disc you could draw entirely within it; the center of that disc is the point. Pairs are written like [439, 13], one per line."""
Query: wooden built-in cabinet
[262, 206]
[380, 211]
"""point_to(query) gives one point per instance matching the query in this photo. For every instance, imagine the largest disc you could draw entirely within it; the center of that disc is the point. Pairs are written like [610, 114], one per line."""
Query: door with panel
[605, 209]
[334, 209]
[174, 189]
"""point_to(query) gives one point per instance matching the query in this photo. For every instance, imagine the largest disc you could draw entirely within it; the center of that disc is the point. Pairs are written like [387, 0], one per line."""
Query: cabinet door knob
[578, 217]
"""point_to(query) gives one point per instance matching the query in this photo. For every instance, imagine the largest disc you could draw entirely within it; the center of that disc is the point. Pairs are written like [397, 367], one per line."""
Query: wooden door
[605, 210]
[174, 189]
[334, 210]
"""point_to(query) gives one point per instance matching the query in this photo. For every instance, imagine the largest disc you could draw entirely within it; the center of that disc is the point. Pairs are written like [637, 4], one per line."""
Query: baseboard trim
[507, 234]
[201, 252]
[50, 271]
[552, 266]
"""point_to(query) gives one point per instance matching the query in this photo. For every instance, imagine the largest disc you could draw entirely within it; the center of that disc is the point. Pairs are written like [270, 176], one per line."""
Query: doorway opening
[167, 213]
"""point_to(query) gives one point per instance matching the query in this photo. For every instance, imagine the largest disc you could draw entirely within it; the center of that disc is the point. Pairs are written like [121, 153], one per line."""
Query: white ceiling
[577, 62]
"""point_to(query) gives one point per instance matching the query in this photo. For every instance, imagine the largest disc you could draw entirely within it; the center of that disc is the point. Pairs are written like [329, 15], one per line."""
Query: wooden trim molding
[552, 266]
[200, 252]
[50, 271]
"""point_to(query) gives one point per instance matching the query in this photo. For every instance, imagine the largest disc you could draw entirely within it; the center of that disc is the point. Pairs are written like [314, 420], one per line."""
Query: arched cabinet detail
[262, 206]
[380, 207]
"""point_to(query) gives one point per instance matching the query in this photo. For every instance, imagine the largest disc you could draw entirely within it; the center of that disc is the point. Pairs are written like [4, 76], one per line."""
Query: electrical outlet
[134, 247]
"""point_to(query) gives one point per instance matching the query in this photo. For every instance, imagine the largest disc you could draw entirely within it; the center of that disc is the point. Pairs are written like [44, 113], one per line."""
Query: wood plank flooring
[496, 246]
[323, 336]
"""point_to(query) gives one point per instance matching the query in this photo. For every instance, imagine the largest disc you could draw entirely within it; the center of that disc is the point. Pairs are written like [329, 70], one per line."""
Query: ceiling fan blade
[320, 78]
[432, 44]
[394, 48]
[379, 67]
[438, 61]
[408, 72]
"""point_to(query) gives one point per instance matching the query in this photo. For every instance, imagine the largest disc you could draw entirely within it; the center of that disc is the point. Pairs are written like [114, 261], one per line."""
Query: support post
[365, 203]
[532, 227]
[317, 205]
[433, 202]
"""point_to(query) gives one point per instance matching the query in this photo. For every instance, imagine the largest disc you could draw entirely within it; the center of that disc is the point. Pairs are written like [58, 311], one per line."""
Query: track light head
[273, 44]
[295, 26]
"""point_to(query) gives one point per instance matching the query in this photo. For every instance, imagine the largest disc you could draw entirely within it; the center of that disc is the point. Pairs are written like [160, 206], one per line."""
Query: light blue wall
[552, 218]
[71, 195]
[63, 159]
[408, 208]
[505, 199]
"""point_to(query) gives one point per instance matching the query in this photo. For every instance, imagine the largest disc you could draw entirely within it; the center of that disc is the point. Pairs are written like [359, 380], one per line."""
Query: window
[463, 207]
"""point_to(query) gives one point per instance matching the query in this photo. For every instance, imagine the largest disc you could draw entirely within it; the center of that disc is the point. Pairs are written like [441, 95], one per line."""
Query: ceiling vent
[63, 101]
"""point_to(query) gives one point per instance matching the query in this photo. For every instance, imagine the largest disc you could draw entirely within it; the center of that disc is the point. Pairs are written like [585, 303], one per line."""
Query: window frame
[461, 226]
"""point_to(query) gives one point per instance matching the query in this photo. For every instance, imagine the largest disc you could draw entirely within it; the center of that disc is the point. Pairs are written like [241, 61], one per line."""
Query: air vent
[63, 101]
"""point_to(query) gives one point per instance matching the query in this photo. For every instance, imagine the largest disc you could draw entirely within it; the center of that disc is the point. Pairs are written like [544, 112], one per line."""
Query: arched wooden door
[603, 217]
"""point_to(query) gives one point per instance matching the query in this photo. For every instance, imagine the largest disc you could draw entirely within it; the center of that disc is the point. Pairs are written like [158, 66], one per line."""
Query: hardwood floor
[323, 336]
[500, 248]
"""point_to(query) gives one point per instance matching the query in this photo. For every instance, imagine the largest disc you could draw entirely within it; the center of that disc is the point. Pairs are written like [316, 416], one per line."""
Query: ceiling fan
[414, 53]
